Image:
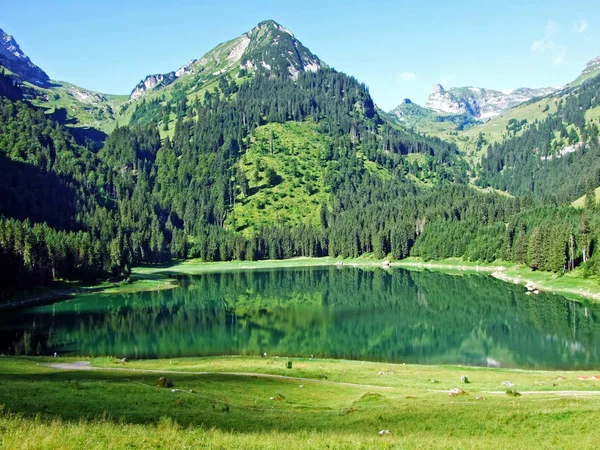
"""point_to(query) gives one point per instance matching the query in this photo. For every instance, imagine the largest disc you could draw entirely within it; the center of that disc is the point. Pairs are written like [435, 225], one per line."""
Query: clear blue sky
[398, 48]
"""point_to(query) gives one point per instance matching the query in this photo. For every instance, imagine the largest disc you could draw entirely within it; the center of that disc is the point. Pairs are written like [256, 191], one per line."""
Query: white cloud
[406, 77]
[581, 27]
[548, 45]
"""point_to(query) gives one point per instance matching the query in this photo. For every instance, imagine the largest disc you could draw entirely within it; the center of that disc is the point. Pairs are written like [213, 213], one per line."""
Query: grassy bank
[253, 402]
[572, 285]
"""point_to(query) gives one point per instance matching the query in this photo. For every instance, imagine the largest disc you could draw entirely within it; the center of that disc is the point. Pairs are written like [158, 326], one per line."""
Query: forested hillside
[280, 163]
[62, 223]
[556, 159]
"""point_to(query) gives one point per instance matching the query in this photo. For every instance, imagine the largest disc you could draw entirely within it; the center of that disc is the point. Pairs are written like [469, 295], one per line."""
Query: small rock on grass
[384, 432]
[456, 391]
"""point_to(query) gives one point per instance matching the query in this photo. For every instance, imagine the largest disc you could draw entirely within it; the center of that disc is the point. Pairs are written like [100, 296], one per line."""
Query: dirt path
[85, 365]
[560, 393]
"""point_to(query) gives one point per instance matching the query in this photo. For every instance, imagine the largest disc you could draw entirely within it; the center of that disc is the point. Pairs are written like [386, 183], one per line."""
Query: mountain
[267, 47]
[591, 70]
[260, 150]
[257, 150]
[454, 118]
[13, 59]
[91, 114]
[478, 102]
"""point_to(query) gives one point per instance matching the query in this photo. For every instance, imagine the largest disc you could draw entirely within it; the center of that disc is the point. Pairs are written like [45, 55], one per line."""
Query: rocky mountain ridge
[268, 46]
[15, 60]
[479, 102]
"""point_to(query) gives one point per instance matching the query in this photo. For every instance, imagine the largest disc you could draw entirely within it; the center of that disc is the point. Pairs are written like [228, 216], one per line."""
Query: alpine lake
[392, 315]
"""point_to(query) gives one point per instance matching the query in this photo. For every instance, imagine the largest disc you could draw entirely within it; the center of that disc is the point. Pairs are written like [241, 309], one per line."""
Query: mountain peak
[268, 47]
[274, 48]
[270, 24]
[13, 58]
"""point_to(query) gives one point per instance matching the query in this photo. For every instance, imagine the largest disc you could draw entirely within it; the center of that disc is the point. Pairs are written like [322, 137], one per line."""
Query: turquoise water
[368, 314]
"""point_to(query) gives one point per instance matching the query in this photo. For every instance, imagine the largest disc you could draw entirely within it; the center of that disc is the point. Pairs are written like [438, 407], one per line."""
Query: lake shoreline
[156, 278]
[573, 285]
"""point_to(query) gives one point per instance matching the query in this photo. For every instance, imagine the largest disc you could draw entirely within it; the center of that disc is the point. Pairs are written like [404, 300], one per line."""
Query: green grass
[580, 202]
[298, 192]
[102, 115]
[584, 77]
[341, 404]
[593, 115]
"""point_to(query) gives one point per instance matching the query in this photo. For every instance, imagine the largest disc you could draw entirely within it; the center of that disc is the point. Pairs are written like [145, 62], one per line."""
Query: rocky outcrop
[478, 102]
[160, 80]
[592, 66]
[85, 96]
[152, 81]
[443, 101]
[13, 58]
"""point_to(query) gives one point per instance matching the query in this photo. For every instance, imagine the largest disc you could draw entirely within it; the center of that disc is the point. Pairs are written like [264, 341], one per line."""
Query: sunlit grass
[318, 404]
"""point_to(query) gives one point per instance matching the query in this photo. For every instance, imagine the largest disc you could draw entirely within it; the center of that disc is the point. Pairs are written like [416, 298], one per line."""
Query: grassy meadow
[255, 402]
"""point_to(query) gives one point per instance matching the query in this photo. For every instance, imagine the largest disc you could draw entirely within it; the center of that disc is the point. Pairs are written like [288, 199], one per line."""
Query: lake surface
[354, 313]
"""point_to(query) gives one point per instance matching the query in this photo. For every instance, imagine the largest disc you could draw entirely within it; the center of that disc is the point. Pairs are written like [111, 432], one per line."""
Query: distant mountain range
[479, 102]
[267, 47]
[480, 110]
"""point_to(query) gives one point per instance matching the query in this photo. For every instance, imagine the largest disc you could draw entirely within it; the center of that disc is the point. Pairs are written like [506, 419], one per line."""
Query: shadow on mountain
[60, 115]
[26, 192]
[87, 136]
[83, 136]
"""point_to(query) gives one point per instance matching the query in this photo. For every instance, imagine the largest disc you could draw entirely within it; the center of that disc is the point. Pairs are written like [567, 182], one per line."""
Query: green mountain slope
[557, 157]
[285, 168]
[267, 48]
[592, 69]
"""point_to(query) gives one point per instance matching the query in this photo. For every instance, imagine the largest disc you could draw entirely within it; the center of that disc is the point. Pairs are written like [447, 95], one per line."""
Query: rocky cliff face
[160, 80]
[267, 47]
[13, 58]
[478, 102]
